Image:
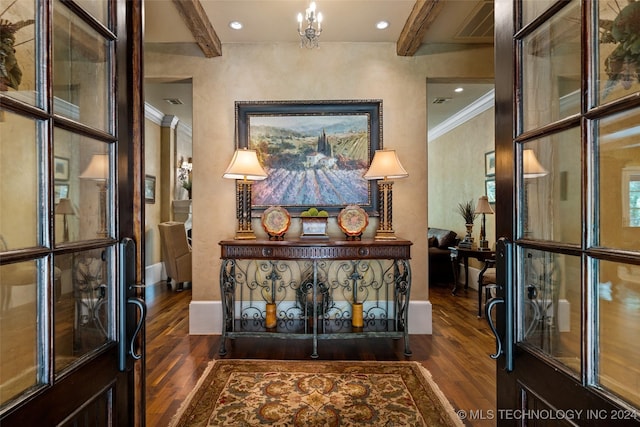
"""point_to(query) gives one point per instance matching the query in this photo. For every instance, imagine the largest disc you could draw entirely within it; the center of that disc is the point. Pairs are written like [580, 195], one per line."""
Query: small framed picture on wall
[490, 189]
[61, 168]
[490, 163]
[149, 189]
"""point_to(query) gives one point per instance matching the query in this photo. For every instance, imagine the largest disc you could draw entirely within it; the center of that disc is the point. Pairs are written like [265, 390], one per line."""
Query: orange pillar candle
[356, 315]
[272, 320]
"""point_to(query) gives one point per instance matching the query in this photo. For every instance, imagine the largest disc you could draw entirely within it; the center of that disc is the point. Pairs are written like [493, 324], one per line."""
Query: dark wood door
[70, 138]
[567, 161]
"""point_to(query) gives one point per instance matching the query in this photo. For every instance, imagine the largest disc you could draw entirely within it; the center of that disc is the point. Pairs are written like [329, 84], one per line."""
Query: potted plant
[184, 176]
[314, 223]
[187, 186]
[467, 211]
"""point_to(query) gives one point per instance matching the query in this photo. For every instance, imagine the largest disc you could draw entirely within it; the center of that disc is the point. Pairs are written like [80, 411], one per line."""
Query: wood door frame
[130, 18]
[564, 391]
[54, 404]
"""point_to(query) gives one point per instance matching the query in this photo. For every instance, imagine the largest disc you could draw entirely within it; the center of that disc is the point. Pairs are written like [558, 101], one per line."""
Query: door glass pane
[551, 192]
[531, 9]
[81, 71]
[83, 309]
[617, 53]
[618, 291]
[551, 66]
[18, 50]
[550, 306]
[81, 200]
[18, 329]
[19, 182]
[96, 8]
[619, 180]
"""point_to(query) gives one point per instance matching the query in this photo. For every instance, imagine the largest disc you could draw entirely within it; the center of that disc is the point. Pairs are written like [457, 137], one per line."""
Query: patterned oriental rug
[315, 393]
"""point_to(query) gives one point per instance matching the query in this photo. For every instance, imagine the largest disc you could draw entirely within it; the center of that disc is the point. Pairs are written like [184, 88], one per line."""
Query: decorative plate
[276, 221]
[353, 220]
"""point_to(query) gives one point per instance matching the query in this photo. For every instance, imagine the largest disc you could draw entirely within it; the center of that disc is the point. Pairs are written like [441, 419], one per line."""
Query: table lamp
[244, 168]
[531, 169]
[98, 170]
[483, 207]
[65, 207]
[385, 167]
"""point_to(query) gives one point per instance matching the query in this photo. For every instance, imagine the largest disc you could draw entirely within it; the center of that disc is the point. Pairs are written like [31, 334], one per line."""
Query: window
[631, 196]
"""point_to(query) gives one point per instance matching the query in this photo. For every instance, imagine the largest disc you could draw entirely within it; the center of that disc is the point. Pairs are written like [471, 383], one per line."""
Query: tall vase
[469, 230]
[467, 242]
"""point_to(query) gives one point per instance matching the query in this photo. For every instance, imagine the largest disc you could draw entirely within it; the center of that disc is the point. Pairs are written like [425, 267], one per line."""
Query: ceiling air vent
[478, 27]
[440, 100]
[174, 101]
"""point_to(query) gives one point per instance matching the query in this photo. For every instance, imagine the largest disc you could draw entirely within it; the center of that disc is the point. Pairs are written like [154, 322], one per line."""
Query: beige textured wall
[277, 71]
[152, 211]
[456, 174]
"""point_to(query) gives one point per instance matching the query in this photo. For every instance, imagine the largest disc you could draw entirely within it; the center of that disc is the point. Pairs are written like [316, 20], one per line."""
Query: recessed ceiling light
[458, 90]
[236, 25]
[382, 25]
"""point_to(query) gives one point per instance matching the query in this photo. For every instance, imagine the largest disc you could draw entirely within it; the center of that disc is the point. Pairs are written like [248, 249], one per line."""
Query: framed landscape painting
[315, 153]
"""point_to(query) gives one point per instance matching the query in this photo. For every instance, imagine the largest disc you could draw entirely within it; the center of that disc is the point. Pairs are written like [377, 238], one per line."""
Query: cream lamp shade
[385, 165]
[483, 206]
[531, 167]
[65, 207]
[98, 168]
[246, 166]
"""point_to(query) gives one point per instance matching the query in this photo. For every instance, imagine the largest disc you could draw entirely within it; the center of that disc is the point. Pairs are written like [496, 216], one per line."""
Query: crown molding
[477, 107]
[153, 114]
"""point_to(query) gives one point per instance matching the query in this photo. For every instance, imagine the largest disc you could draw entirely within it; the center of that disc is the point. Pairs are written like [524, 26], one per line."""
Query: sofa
[440, 269]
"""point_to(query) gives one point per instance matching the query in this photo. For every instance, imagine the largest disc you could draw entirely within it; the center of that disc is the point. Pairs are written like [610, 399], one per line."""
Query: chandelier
[309, 36]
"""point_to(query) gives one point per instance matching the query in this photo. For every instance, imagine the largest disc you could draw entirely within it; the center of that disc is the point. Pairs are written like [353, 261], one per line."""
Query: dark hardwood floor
[456, 354]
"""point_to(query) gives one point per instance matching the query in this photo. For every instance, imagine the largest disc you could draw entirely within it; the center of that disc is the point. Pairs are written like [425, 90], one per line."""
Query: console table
[314, 284]
[485, 256]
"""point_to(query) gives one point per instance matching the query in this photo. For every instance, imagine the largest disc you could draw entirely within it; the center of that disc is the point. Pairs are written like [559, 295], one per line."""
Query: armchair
[176, 253]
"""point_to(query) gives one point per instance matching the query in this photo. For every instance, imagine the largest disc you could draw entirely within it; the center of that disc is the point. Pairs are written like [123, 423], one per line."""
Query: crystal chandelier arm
[309, 35]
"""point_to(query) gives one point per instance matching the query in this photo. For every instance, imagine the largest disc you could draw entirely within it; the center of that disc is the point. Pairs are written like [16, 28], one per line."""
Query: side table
[485, 256]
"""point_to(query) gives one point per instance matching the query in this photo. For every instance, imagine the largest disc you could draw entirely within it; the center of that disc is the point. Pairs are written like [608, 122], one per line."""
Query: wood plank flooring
[456, 353]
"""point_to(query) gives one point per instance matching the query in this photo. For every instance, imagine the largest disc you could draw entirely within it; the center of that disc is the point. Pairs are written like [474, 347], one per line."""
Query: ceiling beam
[198, 23]
[422, 15]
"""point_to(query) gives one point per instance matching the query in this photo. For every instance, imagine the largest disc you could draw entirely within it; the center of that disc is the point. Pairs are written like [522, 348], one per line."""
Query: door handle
[487, 315]
[143, 314]
[127, 298]
[504, 280]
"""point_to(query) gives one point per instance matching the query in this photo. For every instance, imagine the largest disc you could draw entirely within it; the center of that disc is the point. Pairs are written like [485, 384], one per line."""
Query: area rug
[315, 393]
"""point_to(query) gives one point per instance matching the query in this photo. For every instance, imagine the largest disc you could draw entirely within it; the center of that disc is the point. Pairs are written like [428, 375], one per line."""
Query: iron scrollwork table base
[313, 284]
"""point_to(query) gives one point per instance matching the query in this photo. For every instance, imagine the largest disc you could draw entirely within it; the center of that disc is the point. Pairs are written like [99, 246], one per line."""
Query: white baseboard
[564, 313]
[205, 317]
[473, 277]
[154, 273]
[564, 316]
[564, 306]
[420, 318]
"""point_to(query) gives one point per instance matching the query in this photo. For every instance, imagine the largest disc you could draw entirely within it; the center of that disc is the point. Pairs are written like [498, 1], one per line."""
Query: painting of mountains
[311, 160]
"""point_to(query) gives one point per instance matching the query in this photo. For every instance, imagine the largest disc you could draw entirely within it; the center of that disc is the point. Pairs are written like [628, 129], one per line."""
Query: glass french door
[568, 195]
[62, 214]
